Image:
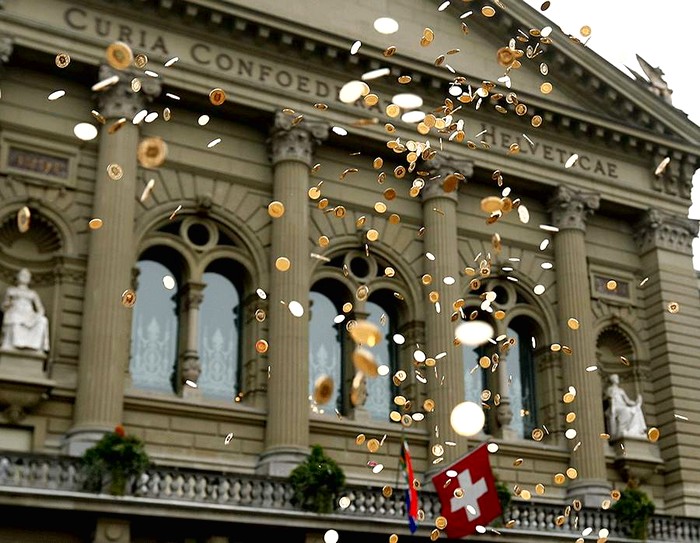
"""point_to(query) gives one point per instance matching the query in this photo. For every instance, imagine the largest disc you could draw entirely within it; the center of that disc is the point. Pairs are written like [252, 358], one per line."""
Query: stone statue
[654, 80]
[625, 417]
[24, 324]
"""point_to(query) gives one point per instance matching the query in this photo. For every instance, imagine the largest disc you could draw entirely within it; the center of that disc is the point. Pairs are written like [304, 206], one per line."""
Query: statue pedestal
[23, 381]
[636, 458]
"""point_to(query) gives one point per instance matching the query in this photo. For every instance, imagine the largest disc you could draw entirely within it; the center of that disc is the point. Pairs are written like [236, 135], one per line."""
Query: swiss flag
[479, 505]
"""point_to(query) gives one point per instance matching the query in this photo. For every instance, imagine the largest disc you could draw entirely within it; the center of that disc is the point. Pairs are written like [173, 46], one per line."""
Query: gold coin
[499, 315]
[605, 505]
[151, 152]
[570, 417]
[390, 194]
[573, 323]
[372, 234]
[539, 488]
[387, 491]
[217, 96]
[426, 279]
[392, 110]
[438, 450]
[135, 84]
[362, 292]
[275, 209]
[347, 307]
[674, 307]
[399, 172]
[378, 163]
[521, 109]
[577, 505]
[360, 222]
[62, 60]
[394, 218]
[323, 241]
[571, 473]
[166, 114]
[95, 224]
[526, 495]
[128, 298]
[23, 219]
[440, 522]
[458, 493]
[115, 172]
[538, 434]
[339, 211]
[373, 445]
[434, 534]
[283, 263]
[560, 520]
[555, 347]
[559, 479]
[518, 462]
[484, 362]
[314, 193]
[546, 87]
[140, 60]
[585, 31]
[488, 11]
[569, 397]
[260, 315]
[404, 79]
[380, 207]
[611, 285]
[389, 271]
[371, 99]
[536, 121]
[395, 416]
[434, 296]
[430, 362]
[653, 434]
[360, 439]
[393, 538]
[429, 405]
[119, 55]
[261, 346]
[615, 494]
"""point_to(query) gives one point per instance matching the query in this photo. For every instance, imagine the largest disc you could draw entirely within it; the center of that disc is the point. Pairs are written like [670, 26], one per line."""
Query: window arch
[154, 328]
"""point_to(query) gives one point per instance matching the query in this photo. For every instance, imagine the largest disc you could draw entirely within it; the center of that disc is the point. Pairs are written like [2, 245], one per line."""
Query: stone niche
[23, 382]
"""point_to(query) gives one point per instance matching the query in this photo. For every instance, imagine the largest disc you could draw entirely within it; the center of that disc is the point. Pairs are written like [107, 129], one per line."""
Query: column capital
[447, 174]
[662, 230]
[570, 208]
[119, 100]
[290, 141]
[6, 47]
[192, 295]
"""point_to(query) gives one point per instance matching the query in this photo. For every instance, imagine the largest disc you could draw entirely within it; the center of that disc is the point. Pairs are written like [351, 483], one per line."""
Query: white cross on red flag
[479, 503]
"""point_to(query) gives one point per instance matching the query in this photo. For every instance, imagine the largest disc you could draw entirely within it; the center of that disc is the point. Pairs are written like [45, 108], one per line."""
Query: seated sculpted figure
[625, 417]
[24, 324]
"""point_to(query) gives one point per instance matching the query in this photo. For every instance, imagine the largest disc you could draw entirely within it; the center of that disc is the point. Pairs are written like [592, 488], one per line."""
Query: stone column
[446, 384]
[570, 209]
[189, 367]
[664, 241]
[104, 349]
[287, 430]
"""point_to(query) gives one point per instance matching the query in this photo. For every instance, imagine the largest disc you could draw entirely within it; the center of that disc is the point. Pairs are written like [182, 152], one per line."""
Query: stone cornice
[571, 208]
[290, 141]
[662, 230]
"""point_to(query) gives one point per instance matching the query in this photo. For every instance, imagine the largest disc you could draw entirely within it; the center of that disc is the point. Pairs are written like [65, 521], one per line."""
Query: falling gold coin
[119, 55]
[372, 234]
[380, 207]
[314, 193]
[488, 11]
[571, 473]
[392, 110]
[573, 323]
[570, 417]
[653, 434]
[373, 445]
[440, 523]
[151, 152]
[260, 315]
[95, 224]
[323, 241]
[387, 491]
[140, 61]
[393, 538]
[611, 285]
[62, 60]
[615, 494]
[559, 479]
[536, 121]
[23, 219]
[323, 389]
[429, 405]
[283, 263]
[674, 307]
[585, 31]
[569, 397]
[261, 346]
[360, 439]
[538, 434]
[539, 488]
[526, 495]
[275, 209]
[394, 219]
[128, 298]
[518, 462]
[115, 172]
[378, 163]
[217, 96]
[605, 505]
[546, 87]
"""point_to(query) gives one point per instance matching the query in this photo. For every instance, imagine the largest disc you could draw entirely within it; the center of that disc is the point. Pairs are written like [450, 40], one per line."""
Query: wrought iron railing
[63, 475]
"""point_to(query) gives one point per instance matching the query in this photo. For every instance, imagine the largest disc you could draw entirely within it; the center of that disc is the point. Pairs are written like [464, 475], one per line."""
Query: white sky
[661, 32]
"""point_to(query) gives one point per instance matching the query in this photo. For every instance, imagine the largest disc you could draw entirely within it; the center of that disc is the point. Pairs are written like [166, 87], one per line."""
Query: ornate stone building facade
[605, 288]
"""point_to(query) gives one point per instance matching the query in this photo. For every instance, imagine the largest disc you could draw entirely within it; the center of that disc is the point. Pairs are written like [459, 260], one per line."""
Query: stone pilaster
[570, 209]
[446, 386]
[287, 430]
[189, 369]
[664, 241]
[104, 355]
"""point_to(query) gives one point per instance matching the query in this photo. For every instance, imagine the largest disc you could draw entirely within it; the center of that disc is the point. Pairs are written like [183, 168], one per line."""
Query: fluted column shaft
[569, 211]
[446, 384]
[104, 355]
[287, 430]
[191, 298]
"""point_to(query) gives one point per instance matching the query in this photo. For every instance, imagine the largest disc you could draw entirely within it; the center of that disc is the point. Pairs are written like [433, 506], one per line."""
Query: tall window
[521, 376]
[325, 348]
[154, 331]
[380, 389]
[219, 335]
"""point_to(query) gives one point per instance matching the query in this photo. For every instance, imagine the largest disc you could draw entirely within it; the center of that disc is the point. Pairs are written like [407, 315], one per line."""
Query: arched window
[380, 390]
[219, 326]
[154, 332]
[325, 348]
[520, 365]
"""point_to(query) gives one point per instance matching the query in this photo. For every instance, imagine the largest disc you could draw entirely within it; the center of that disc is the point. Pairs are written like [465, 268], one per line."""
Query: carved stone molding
[441, 168]
[6, 47]
[677, 178]
[295, 142]
[663, 230]
[119, 100]
[571, 208]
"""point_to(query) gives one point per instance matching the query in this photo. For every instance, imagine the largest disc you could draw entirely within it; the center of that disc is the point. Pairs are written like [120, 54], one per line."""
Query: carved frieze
[676, 179]
[571, 208]
[663, 230]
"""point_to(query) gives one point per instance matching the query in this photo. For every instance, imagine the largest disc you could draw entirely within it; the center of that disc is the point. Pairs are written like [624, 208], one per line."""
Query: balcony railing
[62, 476]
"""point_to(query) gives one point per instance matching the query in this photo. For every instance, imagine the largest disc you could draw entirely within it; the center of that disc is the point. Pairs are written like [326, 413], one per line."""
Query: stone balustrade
[61, 476]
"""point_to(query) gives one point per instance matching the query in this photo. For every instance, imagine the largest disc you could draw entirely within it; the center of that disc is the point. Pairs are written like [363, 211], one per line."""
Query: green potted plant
[113, 461]
[317, 482]
[633, 511]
